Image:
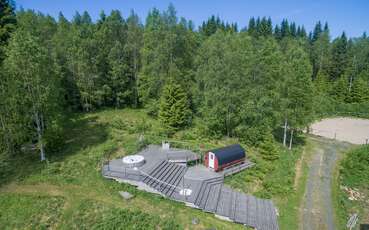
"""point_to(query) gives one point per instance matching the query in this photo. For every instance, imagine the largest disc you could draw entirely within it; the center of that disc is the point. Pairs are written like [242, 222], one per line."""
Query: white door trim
[211, 160]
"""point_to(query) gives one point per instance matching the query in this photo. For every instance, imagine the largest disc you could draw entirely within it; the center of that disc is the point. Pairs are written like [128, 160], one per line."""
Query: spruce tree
[251, 29]
[339, 90]
[268, 149]
[360, 91]
[317, 31]
[285, 28]
[339, 57]
[174, 109]
[7, 23]
[277, 32]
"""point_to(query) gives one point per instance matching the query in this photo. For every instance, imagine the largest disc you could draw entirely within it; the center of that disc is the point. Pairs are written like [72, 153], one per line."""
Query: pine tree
[360, 91]
[301, 32]
[7, 23]
[8, 122]
[165, 48]
[86, 18]
[339, 57]
[277, 32]
[264, 27]
[339, 90]
[293, 29]
[174, 109]
[268, 149]
[317, 31]
[321, 84]
[319, 53]
[132, 47]
[285, 28]
[251, 29]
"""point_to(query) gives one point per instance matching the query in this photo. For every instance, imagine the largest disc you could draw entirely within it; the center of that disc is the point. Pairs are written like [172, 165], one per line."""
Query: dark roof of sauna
[229, 153]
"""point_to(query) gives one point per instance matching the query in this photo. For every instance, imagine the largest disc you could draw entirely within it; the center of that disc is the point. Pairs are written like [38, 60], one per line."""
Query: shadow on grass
[298, 138]
[80, 132]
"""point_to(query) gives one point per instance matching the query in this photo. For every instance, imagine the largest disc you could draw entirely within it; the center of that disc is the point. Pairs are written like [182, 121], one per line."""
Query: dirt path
[316, 210]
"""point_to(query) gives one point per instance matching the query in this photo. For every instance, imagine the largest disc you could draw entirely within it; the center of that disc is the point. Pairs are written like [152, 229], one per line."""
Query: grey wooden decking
[165, 177]
[237, 168]
[208, 190]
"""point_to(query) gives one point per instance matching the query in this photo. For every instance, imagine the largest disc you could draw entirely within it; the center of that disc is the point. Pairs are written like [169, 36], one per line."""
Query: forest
[265, 82]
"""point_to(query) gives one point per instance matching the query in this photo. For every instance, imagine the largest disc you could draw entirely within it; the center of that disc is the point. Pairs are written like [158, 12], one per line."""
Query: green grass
[29, 211]
[353, 173]
[88, 200]
[276, 180]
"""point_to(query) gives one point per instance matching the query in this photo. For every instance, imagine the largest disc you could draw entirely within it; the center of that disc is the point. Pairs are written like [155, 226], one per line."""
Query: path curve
[332, 138]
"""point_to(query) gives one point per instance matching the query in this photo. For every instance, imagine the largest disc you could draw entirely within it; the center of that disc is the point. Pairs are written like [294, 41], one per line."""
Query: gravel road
[317, 211]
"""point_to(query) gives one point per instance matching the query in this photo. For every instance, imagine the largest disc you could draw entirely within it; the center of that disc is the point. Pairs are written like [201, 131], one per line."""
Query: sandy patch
[352, 130]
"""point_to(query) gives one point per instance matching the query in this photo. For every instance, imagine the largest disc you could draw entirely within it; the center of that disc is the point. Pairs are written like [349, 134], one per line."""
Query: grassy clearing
[277, 181]
[90, 201]
[352, 173]
[29, 211]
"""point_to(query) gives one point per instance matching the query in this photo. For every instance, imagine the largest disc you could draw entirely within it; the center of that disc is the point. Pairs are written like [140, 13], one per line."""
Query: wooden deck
[208, 191]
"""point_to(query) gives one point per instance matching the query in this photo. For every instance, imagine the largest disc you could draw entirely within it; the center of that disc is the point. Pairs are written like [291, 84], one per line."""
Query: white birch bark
[285, 132]
[291, 137]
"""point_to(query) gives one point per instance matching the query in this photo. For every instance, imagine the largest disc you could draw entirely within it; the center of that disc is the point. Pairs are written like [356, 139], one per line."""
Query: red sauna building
[219, 159]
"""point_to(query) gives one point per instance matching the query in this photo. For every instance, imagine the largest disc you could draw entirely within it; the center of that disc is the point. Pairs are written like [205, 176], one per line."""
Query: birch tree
[32, 85]
[299, 106]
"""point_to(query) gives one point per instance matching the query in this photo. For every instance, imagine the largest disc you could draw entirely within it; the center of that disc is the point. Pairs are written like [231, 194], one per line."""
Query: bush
[355, 168]
[152, 108]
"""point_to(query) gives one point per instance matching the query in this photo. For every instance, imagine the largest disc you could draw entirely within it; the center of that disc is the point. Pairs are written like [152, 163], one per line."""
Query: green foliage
[352, 174]
[280, 181]
[298, 87]
[33, 88]
[359, 92]
[167, 53]
[174, 109]
[268, 149]
[93, 215]
[242, 84]
[213, 24]
[29, 211]
[354, 168]
[7, 23]
[74, 170]
[339, 57]
[339, 90]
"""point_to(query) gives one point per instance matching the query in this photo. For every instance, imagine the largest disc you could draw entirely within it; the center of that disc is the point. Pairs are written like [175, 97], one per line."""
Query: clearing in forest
[352, 130]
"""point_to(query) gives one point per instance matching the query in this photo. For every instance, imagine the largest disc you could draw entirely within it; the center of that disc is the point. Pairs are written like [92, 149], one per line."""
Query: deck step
[204, 190]
[165, 177]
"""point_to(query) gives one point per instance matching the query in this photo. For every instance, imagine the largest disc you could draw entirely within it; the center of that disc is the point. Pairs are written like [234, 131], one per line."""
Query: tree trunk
[227, 122]
[291, 137]
[285, 132]
[39, 128]
[6, 135]
[135, 79]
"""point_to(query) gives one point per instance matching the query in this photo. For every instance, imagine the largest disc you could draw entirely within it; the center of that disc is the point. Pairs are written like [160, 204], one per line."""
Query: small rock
[126, 195]
[195, 221]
